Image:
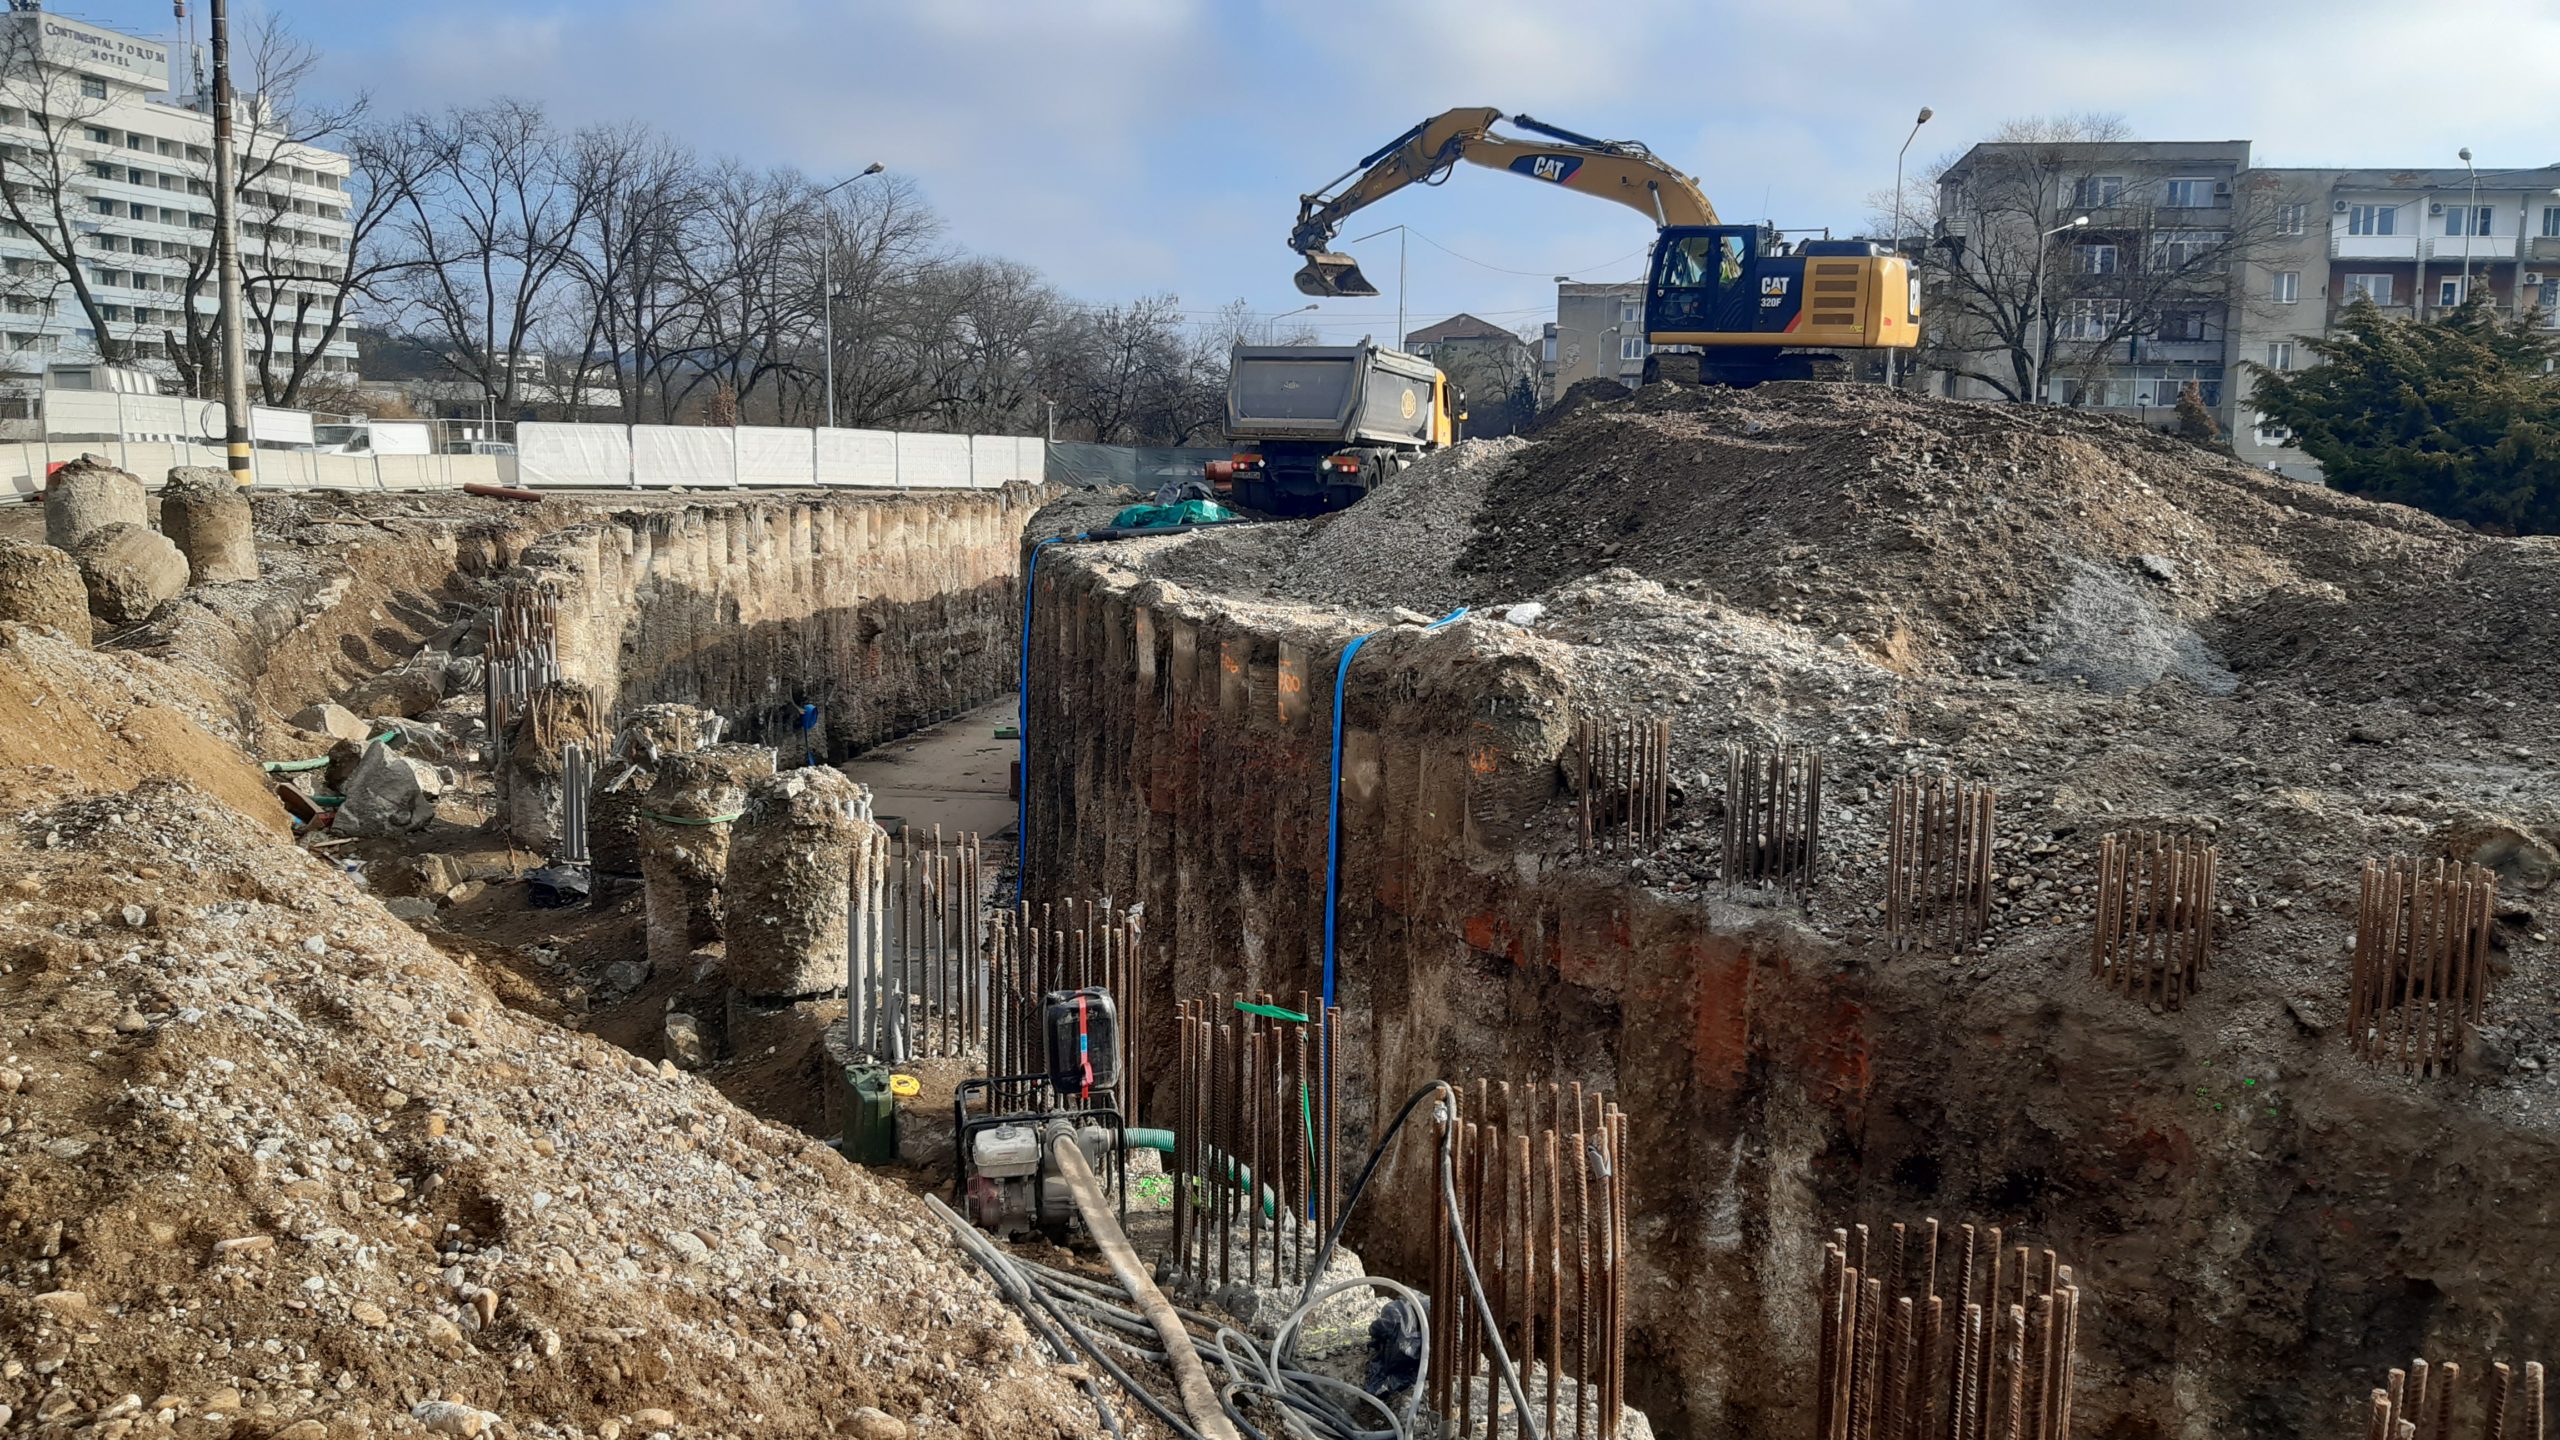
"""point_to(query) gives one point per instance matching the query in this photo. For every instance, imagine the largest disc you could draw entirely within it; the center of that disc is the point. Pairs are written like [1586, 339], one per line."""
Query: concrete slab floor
[953, 775]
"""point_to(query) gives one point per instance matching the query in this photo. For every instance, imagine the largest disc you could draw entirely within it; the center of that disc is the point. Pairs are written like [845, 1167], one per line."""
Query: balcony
[2343, 246]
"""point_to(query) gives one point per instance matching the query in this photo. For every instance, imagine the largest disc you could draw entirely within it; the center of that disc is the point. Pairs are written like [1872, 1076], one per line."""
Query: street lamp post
[827, 287]
[2044, 322]
[2470, 220]
[1893, 369]
[1274, 320]
[1400, 237]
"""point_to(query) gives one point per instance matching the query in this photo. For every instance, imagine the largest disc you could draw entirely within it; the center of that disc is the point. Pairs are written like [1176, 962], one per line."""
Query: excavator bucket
[1329, 275]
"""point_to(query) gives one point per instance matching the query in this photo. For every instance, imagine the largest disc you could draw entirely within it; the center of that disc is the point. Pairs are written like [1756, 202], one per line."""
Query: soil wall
[2260, 1226]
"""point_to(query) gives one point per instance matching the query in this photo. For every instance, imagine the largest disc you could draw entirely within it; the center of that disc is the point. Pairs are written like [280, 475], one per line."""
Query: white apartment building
[137, 165]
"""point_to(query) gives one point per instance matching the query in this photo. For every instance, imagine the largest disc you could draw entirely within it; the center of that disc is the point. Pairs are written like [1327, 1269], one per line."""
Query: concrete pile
[559, 714]
[684, 845]
[650, 735]
[790, 879]
[129, 570]
[90, 494]
[204, 514]
[40, 585]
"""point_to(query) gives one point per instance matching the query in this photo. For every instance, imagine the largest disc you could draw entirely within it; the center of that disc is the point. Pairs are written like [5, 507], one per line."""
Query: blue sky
[1135, 146]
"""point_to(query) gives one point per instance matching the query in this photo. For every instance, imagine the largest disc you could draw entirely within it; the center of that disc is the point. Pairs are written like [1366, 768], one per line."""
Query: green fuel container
[870, 1116]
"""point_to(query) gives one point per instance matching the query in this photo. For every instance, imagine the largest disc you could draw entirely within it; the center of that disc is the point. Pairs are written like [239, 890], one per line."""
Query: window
[1631, 347]
[2551, 221]
[2376, 288]
[2292, 219]
[2287, 289]
[2182, 325]
[2091, 320]
[2279, 354]
[2189, 250]
[2463, 220]
[2186, 194]
[2094, 259]
[103, 207]
[98, 136]
[101, 170]
[2449, 291]
[2373, 219]
[2271, 436]
[2547, 297]
[2097, 191]
[92, 87]
[1630, 312]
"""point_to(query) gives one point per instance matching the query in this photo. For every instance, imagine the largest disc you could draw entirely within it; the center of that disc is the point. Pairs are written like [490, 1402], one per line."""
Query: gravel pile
[271, 1165]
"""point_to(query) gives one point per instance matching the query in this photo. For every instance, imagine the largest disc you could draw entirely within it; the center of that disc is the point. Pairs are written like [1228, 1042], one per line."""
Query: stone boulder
[40, 585]
[389, 794]
[203, 511]
[335, 721]
[129, 571]
[90, 494]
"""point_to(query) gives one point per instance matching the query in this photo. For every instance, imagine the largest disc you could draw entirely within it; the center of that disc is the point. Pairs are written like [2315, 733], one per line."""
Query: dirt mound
[1581, 395]
[266, 1155]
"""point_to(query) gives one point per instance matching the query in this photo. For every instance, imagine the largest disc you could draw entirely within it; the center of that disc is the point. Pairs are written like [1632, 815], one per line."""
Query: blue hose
[1333, 800]
[1022, 726]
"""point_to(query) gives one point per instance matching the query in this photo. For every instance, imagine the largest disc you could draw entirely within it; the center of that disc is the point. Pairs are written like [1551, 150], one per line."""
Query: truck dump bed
[1342, 394]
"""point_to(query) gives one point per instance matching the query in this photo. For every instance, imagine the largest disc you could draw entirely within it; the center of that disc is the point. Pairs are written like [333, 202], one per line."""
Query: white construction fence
[293, 450]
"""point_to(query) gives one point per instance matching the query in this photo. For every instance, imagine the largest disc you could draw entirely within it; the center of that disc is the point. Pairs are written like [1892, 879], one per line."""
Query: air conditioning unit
[2337, 207]
[2533, 277]
[2222, 187]
[2435, 207]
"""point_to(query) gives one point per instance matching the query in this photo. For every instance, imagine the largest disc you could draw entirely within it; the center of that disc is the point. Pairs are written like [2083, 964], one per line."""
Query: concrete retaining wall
[887, 612]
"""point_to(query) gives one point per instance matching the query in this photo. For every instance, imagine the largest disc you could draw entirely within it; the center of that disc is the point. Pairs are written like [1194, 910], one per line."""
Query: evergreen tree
[2458, 415]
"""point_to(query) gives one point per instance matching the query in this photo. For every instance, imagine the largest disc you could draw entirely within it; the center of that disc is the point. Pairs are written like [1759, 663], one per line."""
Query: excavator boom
[1619, 170]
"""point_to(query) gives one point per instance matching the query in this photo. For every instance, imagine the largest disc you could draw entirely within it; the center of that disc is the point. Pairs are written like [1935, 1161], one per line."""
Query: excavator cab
[1330, 275]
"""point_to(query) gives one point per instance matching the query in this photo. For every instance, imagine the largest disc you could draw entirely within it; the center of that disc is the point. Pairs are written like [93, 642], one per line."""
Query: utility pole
[226, 241]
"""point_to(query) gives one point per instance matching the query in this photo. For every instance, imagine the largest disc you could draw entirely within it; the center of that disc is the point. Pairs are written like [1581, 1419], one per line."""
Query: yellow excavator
[1724, 304]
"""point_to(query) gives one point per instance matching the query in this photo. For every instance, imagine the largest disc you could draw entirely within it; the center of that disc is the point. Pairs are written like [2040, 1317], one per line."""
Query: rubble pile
[2117, 628]
[275, 1166]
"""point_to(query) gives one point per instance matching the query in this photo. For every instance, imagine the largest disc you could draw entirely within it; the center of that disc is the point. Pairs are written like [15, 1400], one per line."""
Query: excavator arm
[1619, 170]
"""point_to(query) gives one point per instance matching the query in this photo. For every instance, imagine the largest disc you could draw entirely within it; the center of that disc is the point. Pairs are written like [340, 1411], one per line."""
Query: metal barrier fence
[149, 435]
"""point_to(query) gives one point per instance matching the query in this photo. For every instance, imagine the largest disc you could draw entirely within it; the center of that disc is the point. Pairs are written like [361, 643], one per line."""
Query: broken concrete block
[204, 513]
[88, 495]
[40, 585]
[626, 775]
[419, 876]
[129, 571]
[790, 882]
[389, 794]
[685, 1042]
[335, 721]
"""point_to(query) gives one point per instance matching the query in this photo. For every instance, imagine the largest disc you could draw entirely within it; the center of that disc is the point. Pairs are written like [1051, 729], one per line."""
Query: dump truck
[1314, 427]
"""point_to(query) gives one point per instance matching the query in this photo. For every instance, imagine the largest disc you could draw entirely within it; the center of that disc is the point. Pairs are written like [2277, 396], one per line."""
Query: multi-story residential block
[1599, 330]
[86, 118]
[2160, 264]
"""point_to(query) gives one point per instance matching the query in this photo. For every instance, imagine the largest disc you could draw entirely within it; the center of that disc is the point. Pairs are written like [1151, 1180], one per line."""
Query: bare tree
[632, 316]
[2018, 288]
[487, 212]
[301, 287]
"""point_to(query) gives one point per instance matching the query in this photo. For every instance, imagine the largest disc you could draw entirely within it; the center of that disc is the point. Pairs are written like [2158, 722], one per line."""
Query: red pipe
[499, 492]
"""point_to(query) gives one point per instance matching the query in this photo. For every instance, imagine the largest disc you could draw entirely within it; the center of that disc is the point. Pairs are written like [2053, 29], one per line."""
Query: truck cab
[1314, 427]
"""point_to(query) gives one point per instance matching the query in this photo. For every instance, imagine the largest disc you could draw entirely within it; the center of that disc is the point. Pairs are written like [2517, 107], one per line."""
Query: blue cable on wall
[1333, 800]
[1022, 725]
